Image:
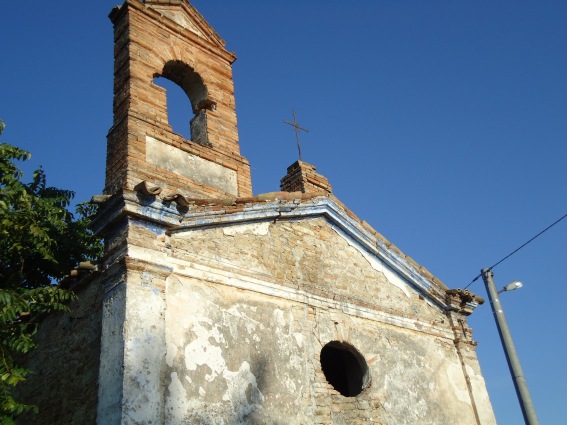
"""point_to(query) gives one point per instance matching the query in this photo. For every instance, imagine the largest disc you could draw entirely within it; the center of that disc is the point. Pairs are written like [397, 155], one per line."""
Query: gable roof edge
[206, 213]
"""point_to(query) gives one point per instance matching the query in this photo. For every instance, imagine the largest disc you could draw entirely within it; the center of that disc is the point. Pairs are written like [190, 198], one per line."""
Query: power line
[517, 249]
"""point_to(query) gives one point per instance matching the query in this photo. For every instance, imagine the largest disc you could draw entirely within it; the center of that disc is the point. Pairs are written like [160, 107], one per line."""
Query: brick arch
[188, 79]
[149, 43]
[161, 54]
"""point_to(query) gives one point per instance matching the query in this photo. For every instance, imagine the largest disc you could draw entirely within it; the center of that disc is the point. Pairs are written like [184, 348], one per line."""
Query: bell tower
[170, 39]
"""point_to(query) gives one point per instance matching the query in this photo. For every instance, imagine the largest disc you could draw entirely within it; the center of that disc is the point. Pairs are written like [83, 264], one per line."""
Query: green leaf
[40, 242]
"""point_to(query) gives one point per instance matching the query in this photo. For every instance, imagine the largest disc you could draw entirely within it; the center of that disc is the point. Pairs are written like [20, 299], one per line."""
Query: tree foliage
[40, 242]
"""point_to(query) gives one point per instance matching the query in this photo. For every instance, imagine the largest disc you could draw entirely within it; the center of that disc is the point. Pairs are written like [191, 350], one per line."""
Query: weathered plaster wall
[180, 162]
[111, 373]
[309, 255]
[227, 326]
[240, 357]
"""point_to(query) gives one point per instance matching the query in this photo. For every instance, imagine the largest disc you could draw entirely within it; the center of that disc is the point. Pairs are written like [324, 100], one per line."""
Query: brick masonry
[303, 177]
[172, 40]
[212, 306]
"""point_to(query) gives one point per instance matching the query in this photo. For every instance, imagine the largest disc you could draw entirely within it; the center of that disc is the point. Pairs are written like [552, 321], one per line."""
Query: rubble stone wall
[226, 325]
[65, 364]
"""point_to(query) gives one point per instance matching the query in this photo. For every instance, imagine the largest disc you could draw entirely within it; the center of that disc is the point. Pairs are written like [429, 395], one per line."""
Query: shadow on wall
[247, 401]
[65, 364]
[252, 412]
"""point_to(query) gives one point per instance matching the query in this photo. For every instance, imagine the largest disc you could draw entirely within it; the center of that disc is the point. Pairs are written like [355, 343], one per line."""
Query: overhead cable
[517, 249]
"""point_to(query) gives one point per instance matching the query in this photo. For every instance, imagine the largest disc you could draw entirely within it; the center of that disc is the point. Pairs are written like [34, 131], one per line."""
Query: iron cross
[297, 128]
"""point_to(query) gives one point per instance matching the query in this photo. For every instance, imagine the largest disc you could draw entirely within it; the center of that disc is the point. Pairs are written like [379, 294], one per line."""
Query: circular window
[345, 368]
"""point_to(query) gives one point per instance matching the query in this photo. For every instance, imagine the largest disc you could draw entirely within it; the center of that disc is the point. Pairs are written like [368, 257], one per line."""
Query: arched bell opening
[182, 83]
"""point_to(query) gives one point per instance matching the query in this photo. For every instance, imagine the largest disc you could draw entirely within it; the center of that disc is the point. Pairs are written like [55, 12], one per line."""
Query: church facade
[213, 305]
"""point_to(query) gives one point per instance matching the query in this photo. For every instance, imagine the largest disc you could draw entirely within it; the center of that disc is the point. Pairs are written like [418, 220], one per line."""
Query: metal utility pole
[513, 362]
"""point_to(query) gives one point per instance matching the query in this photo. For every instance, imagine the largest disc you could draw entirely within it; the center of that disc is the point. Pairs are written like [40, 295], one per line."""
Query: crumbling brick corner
[303, 177]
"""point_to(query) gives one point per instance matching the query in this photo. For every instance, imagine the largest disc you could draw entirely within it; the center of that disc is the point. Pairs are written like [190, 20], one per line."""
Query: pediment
[182, 13]
[373, 250]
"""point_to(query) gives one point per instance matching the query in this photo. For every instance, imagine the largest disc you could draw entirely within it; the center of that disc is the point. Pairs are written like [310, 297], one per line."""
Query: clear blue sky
[441, 123]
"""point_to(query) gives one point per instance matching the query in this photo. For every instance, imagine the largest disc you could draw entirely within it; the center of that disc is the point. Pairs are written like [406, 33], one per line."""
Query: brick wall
[303, 177]
[158, 38]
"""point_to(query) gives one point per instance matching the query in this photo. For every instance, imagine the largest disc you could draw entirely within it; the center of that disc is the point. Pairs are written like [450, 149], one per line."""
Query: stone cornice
[177, 216]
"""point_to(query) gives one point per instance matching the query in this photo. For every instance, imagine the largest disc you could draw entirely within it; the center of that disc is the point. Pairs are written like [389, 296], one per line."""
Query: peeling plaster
[377, 265]
[183, 163]
[258, 229]
[243, 348]
[185, 270]
[226, 394]
[455, 378]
